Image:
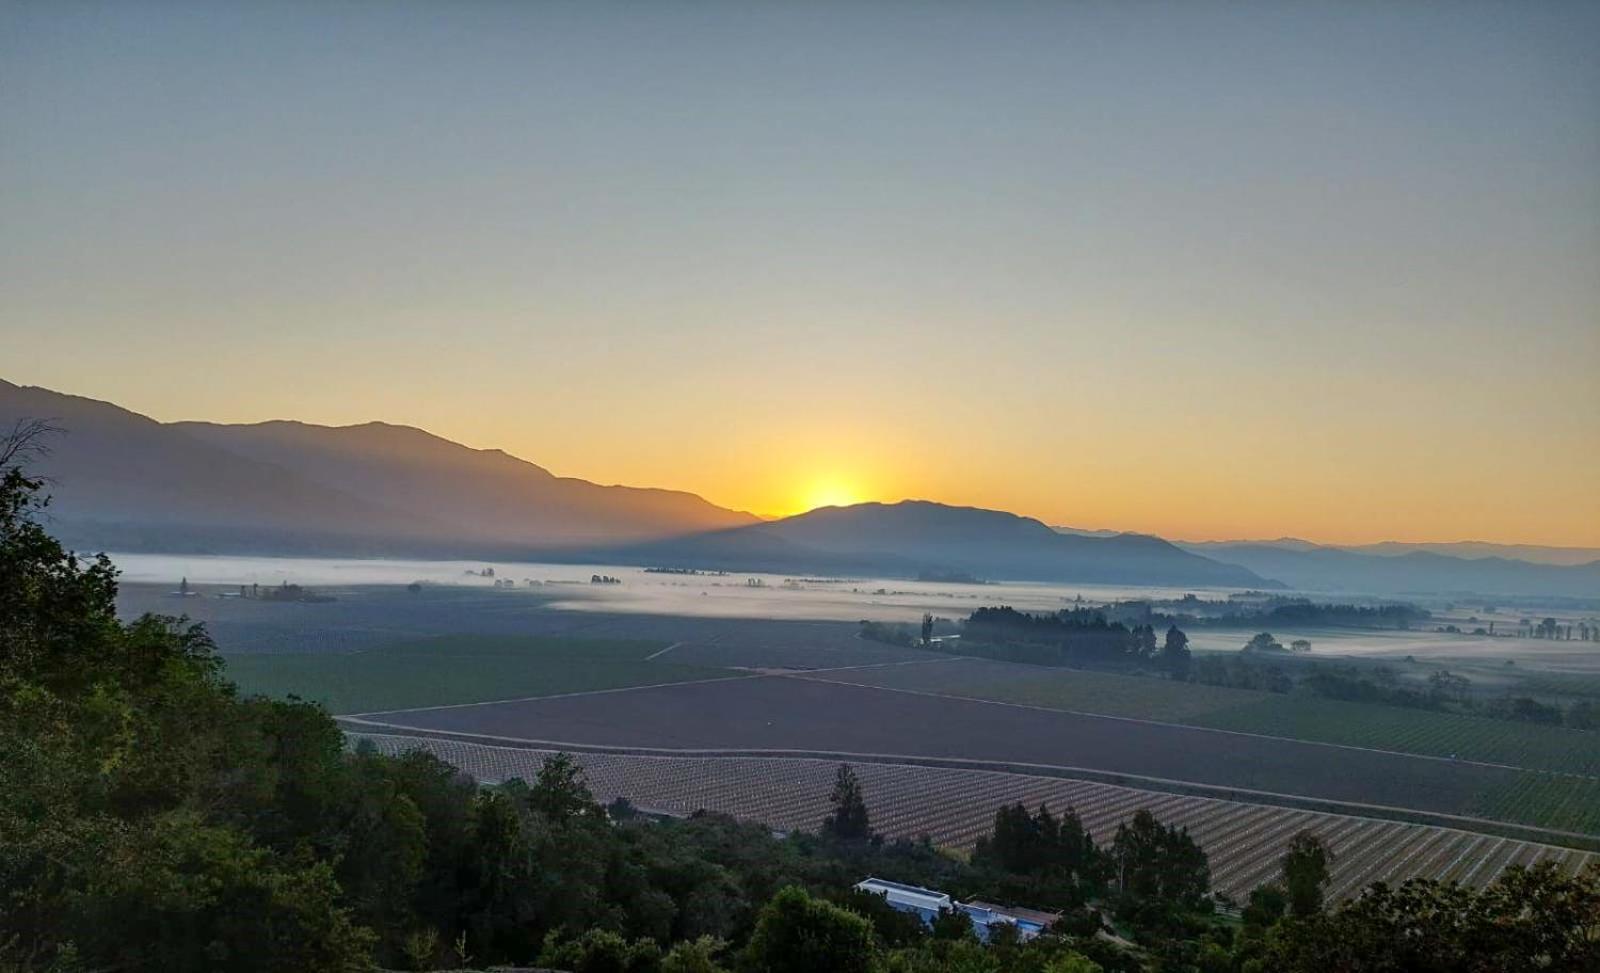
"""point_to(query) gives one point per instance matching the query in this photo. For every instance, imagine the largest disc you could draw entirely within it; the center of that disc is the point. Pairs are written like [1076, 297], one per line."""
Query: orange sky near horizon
[1283, 476]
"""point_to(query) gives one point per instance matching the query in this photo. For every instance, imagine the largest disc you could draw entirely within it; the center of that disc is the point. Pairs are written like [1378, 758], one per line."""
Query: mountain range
[1532, 553]
[121, 481]
[1398, 569]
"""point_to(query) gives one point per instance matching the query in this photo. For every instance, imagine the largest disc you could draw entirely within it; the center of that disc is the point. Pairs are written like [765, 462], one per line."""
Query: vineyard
[1561, 801]
[956, 807]
[1529, 745]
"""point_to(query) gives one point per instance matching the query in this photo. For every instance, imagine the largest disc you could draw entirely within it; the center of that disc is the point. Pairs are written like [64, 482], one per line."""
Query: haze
[1203, 270]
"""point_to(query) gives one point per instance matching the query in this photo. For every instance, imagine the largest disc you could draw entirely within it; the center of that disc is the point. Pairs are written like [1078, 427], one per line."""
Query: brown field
[955, 807]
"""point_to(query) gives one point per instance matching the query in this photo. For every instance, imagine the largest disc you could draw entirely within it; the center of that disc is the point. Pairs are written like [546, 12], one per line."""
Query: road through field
[780, 713]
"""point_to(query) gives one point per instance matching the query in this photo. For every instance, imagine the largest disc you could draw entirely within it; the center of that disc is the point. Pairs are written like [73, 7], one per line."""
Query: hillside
[123, 481]
[480, 494]
[916, 535]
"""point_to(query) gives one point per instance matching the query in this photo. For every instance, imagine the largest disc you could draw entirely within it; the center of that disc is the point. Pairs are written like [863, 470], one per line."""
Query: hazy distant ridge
[1311, 567]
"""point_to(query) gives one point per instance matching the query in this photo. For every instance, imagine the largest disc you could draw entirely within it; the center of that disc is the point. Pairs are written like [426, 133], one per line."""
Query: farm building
[923, 903]
[986, 915]
[926, 904]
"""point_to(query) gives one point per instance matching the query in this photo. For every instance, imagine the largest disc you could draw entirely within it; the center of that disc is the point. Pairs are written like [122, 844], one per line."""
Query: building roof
[1021, 915]
[913, 895]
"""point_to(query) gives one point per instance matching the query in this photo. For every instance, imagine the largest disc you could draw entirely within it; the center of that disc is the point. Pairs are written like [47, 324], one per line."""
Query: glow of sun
[829, 493]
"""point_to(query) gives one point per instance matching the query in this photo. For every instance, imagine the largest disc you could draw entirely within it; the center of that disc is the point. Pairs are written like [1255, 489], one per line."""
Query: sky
[1207, 270]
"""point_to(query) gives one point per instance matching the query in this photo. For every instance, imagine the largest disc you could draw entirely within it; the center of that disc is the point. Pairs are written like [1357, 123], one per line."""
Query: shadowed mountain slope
[917, 535]
[122, 481]
[481, 494]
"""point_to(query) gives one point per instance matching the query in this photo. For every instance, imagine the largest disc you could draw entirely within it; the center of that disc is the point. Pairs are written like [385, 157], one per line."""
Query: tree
[1266, 905]
[1306, 872]
[849, 820]
[1155, 864]
[1072, 962]
[798, 934]
[560, 792]
[601, 951]
[952, 924]
[1529, 919]
[135, 787]
[694, 956]
[1263, 642]
[1144, 642]
[1176, 657]
[1446, 685]
[927, 629]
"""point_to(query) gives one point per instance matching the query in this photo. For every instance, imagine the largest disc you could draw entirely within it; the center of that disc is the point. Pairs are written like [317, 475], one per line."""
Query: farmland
[806, 714]
[449, 670]
[381, 650]
[1530, 745]
[955, 807]
[1292, 716]
[1556, 800]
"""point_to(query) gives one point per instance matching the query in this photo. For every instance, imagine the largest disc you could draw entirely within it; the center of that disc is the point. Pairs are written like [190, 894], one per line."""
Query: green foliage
[1306, 865]
[560, 792]
[1264, 642]
[1176, 659]
[695, 956]
[601, 951]
[1530, 919]
[1073, 963]
[849, 820]
[799, 934]
[890, 633]
[1157, 866]
[135, 786]
[953, 924]
[1268, 903]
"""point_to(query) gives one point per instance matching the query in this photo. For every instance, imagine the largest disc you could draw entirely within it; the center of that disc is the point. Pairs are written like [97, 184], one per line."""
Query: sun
[829, 493]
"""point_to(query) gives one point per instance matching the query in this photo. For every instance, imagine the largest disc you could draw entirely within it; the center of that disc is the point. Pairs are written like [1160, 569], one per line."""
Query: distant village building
[926, 904]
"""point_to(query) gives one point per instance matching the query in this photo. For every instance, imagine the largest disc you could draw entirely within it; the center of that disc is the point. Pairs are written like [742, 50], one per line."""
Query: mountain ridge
[913, 536]
[122, 480]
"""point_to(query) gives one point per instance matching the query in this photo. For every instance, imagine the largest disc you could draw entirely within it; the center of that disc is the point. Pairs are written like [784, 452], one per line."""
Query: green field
[1305, 717]
[1547, 800]
[1530, 745]
[457, 669]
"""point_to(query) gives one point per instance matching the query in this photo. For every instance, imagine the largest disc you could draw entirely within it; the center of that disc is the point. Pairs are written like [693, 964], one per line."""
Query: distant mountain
[1331, 569]
[1086, 531]
[1532, 553]
[916, 536]
[122, 481]
[1284, 543]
